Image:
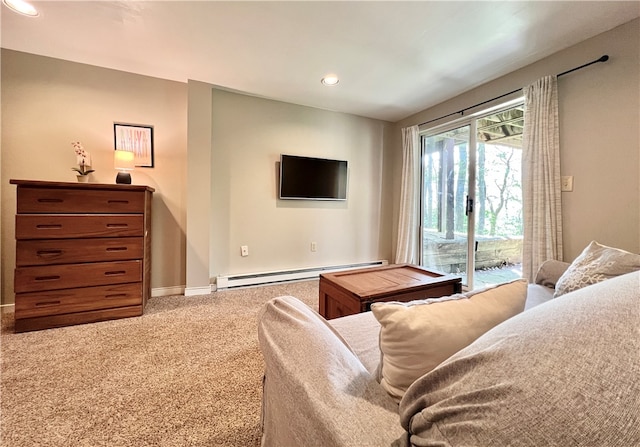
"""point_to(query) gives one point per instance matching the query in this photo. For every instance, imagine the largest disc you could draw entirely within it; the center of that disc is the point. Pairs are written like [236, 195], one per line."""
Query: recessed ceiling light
[330, 80]
[21, 7]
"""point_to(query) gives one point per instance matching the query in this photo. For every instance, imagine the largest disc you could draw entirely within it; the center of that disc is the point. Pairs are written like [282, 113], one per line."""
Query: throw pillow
[596, 263]
[417, 336]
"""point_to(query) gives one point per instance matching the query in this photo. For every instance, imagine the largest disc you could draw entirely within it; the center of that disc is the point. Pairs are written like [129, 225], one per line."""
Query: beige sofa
[562, 373]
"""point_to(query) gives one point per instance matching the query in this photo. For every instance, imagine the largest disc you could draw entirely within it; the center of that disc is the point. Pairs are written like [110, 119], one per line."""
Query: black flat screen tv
[308, 178]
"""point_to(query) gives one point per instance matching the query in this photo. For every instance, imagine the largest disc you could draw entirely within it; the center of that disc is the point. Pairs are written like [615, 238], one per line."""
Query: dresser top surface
[71, 185]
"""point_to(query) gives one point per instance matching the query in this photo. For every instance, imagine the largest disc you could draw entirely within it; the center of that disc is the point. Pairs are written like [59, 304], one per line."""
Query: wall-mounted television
[308, 178]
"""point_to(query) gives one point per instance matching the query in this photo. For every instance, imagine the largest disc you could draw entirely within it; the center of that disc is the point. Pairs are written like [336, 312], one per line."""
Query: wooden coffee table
[353, 291]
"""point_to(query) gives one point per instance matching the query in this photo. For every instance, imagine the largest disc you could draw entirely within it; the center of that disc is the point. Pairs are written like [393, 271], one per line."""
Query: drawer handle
[116, 248]
[115, 273]
[47, 278]
[48, 303]
[118, 201]
[48, 226]
[47, 200]
[116, 295]
[117, 225]
[49, 253]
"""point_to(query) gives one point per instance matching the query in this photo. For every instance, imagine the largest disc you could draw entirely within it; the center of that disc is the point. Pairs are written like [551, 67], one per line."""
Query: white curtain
[542, 210]
[408, 225]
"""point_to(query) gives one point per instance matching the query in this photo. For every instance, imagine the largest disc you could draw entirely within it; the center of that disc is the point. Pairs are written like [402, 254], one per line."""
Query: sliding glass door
[445, 195]
[475, 232]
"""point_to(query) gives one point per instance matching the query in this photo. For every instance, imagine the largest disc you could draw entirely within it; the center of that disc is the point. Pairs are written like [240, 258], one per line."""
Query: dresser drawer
[62, 200]
[90, 316]
[68, 251]
[56, 302]
[68, 276]
[50, 226]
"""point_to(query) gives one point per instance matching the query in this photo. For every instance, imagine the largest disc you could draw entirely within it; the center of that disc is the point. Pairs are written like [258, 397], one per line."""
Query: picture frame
[135, 138]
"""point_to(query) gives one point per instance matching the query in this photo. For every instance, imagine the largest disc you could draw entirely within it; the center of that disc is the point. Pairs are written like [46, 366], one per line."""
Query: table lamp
[123, 162]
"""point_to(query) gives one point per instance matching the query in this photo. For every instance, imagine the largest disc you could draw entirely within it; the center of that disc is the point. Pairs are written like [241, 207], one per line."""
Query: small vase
[83, 178]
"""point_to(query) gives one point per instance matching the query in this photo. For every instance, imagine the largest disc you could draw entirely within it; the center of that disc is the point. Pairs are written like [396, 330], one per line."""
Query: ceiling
[393, 58]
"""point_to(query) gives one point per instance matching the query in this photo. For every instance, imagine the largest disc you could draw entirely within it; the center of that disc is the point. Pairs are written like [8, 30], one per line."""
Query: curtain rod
[461, 112]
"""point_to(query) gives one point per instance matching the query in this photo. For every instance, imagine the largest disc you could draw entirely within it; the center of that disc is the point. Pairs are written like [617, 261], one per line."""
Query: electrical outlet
[566, 183]
[314, 246]
[244, 250]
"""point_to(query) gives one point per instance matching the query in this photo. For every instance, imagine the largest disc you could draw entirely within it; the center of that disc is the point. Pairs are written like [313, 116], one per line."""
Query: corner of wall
[198, 185]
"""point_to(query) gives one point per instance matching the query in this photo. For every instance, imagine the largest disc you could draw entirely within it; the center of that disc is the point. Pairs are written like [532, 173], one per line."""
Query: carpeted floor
[186, 373]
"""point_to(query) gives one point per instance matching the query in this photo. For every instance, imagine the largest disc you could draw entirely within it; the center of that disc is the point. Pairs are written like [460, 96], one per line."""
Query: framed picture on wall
[137, 139]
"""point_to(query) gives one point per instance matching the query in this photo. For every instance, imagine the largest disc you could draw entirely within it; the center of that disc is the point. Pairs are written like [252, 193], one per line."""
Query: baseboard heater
[252, 279]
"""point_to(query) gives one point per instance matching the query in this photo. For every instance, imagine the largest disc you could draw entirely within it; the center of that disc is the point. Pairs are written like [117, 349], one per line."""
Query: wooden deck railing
[449, 255]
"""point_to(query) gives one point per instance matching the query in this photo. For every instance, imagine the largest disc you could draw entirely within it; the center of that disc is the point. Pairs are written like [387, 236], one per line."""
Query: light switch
[566, 183]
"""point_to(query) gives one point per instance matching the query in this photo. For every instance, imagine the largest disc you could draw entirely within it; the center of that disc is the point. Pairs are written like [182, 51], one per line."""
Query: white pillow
[417, 336]
[596, 263]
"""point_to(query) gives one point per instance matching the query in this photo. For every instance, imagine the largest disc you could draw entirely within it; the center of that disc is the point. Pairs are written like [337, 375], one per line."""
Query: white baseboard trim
[251, 279]
[166, 291]
[192, 291]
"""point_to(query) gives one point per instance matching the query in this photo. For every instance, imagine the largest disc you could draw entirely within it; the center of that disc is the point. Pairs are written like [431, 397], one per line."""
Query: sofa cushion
[561, 374]
[596, 263]
[360, 332]
[417, 336]
[537, 294]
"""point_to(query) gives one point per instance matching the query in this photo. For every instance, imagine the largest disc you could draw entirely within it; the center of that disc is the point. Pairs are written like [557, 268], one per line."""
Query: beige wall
[248, 136]
[47, 103]
[599, 135]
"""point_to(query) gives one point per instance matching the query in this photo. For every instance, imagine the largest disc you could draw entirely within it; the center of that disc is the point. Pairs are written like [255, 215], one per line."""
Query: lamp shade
[123, 160]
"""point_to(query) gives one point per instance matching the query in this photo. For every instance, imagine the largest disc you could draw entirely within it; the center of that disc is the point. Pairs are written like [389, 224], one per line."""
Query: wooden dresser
[83, 253]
